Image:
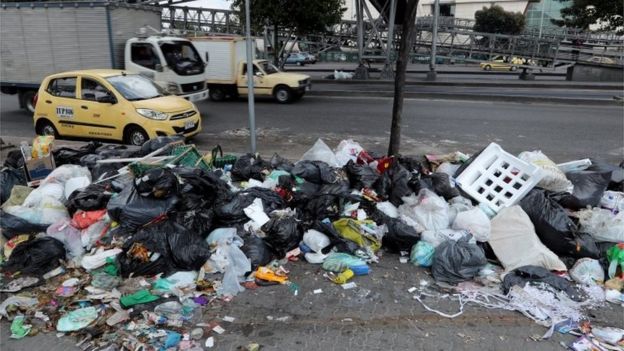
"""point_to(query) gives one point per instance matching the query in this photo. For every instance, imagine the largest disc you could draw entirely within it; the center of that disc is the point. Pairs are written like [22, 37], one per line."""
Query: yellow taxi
[501, 63]
[111, 104]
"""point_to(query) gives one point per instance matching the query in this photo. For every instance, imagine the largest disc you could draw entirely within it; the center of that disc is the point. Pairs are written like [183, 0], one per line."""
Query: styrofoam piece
[574, 166]
[497, 178]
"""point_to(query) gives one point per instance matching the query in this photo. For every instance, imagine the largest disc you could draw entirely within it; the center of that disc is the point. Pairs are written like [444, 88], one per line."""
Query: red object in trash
[384, 163]
[363, 158]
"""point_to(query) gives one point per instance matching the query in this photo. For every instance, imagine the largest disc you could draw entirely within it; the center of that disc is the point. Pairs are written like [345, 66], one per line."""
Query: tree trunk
[405, 46]
[275, 45]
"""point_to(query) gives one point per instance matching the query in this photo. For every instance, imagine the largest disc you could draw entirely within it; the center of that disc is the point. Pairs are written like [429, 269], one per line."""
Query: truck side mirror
[158, 67]
[207, 57]
[259, 74]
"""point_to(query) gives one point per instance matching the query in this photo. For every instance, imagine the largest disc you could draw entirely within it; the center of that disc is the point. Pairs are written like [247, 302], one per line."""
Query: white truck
[226, 72]
[42, 38]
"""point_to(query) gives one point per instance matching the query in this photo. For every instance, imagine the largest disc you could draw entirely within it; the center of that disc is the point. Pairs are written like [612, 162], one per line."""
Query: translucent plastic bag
[64, 173]
[554, 179]
[587, 271]
[49, 211]
[315, 240]
[437, 237]
[427, 209]
[53, 190]
[602, 224]
[474, 221]
[69, 236]
[321, 152]
[229, 259]
[346, 151]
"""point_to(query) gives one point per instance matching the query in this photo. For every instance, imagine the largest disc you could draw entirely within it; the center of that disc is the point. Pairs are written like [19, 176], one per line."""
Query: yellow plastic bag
[352, 230]
[42, 146]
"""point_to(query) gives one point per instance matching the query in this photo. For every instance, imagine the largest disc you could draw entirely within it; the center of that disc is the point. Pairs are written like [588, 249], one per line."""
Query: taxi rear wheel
[135, 136]
[45, 127]
[487, 68]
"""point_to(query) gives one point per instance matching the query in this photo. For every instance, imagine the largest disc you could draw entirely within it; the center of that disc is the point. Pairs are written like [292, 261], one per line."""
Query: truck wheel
[135, 136]
[283, 94]
[45, 127]
[513, 68]
[28, 97]
[217, 94]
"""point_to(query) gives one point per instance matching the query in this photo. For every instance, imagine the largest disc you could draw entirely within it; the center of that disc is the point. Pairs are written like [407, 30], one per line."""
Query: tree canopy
[299, 16]
[606, 14]
[495, 19]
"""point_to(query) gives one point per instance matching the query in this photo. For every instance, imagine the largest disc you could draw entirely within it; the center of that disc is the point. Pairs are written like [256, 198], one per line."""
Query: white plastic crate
[498, 179]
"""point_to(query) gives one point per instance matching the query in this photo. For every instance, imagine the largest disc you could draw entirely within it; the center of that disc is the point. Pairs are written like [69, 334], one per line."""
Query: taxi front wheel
[135, 136]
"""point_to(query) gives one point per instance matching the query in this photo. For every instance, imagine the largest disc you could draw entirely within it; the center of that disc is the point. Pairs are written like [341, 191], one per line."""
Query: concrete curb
[468, 97]
[329, 70]
[478, 84]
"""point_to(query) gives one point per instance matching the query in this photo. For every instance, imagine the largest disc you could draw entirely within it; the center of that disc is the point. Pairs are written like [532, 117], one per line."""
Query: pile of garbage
[129, 246]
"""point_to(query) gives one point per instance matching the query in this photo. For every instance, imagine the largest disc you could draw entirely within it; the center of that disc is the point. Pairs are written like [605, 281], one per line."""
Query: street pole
[250, 82]
[541, 20]
[431, 75]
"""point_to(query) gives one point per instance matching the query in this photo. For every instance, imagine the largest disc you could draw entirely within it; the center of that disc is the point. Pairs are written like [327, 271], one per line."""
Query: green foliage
[607, 14]
[299, 16]
[495, 19]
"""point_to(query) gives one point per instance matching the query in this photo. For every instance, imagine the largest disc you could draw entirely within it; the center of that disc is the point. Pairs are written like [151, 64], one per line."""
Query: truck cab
[270, 81]
[226, 72]
[172, 62]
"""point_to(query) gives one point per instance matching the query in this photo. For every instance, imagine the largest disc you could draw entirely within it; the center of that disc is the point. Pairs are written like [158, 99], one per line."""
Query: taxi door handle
[84, 107]
[48, 102]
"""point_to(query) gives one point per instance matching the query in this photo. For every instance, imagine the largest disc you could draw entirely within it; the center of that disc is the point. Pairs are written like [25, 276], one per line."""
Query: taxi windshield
[134, 87]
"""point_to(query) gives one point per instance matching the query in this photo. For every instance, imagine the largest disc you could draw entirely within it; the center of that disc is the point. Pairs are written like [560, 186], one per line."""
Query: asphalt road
[429, 126]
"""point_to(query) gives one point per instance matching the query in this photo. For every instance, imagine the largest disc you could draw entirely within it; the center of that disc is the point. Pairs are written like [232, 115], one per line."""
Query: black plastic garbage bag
[411, 164]
[617, 173]
[442, 185]
[361, 176]
[536, 274]
[12, 225]
[158, 183]
[257, 251]
[231, 212]
[14, 159]
[554, 228]
[36, 256]
[282, 234]
[457, 261]
[66, 155]
[280, 163]
[317, 172]
[588, 189]
[197, 221]
[250, 166]
[399, 180]
[400, 236]
[200, 188]
[132, 210]
[9, 177]
[163, 247]
[154, 144]
[90, 160]
[93, 197]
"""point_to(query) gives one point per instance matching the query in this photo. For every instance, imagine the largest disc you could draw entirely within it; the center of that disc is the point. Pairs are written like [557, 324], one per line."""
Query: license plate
[189, 125]
[195, 97]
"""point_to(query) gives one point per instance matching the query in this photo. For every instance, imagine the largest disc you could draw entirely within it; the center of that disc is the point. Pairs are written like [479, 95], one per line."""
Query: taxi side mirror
[107, 99]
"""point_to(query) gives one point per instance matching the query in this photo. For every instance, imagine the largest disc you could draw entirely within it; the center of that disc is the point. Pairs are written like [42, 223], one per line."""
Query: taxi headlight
[151, 114]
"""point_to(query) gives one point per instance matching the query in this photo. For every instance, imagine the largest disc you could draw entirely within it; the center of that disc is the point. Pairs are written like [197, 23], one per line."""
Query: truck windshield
[182, 57]
[268, 67]
[133, 87]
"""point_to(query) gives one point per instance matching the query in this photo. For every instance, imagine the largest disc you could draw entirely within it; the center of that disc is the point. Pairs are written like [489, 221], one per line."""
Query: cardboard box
[38, 169]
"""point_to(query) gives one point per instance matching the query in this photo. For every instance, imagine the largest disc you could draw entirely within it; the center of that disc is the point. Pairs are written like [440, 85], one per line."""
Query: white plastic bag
[587, 271]
[315, 240]
[516, 244]
[64, 173]
[98, 259]
[346, 151]
[474, 221]
[554, 179]
[53, 190]
[76, 183]
[388, 209]
[95, 232]
[437, 237]
[229, 259]
[48, 211]
[427, 209]
[448, 168]
[321, 152]
[602, 224]
[456, 205]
